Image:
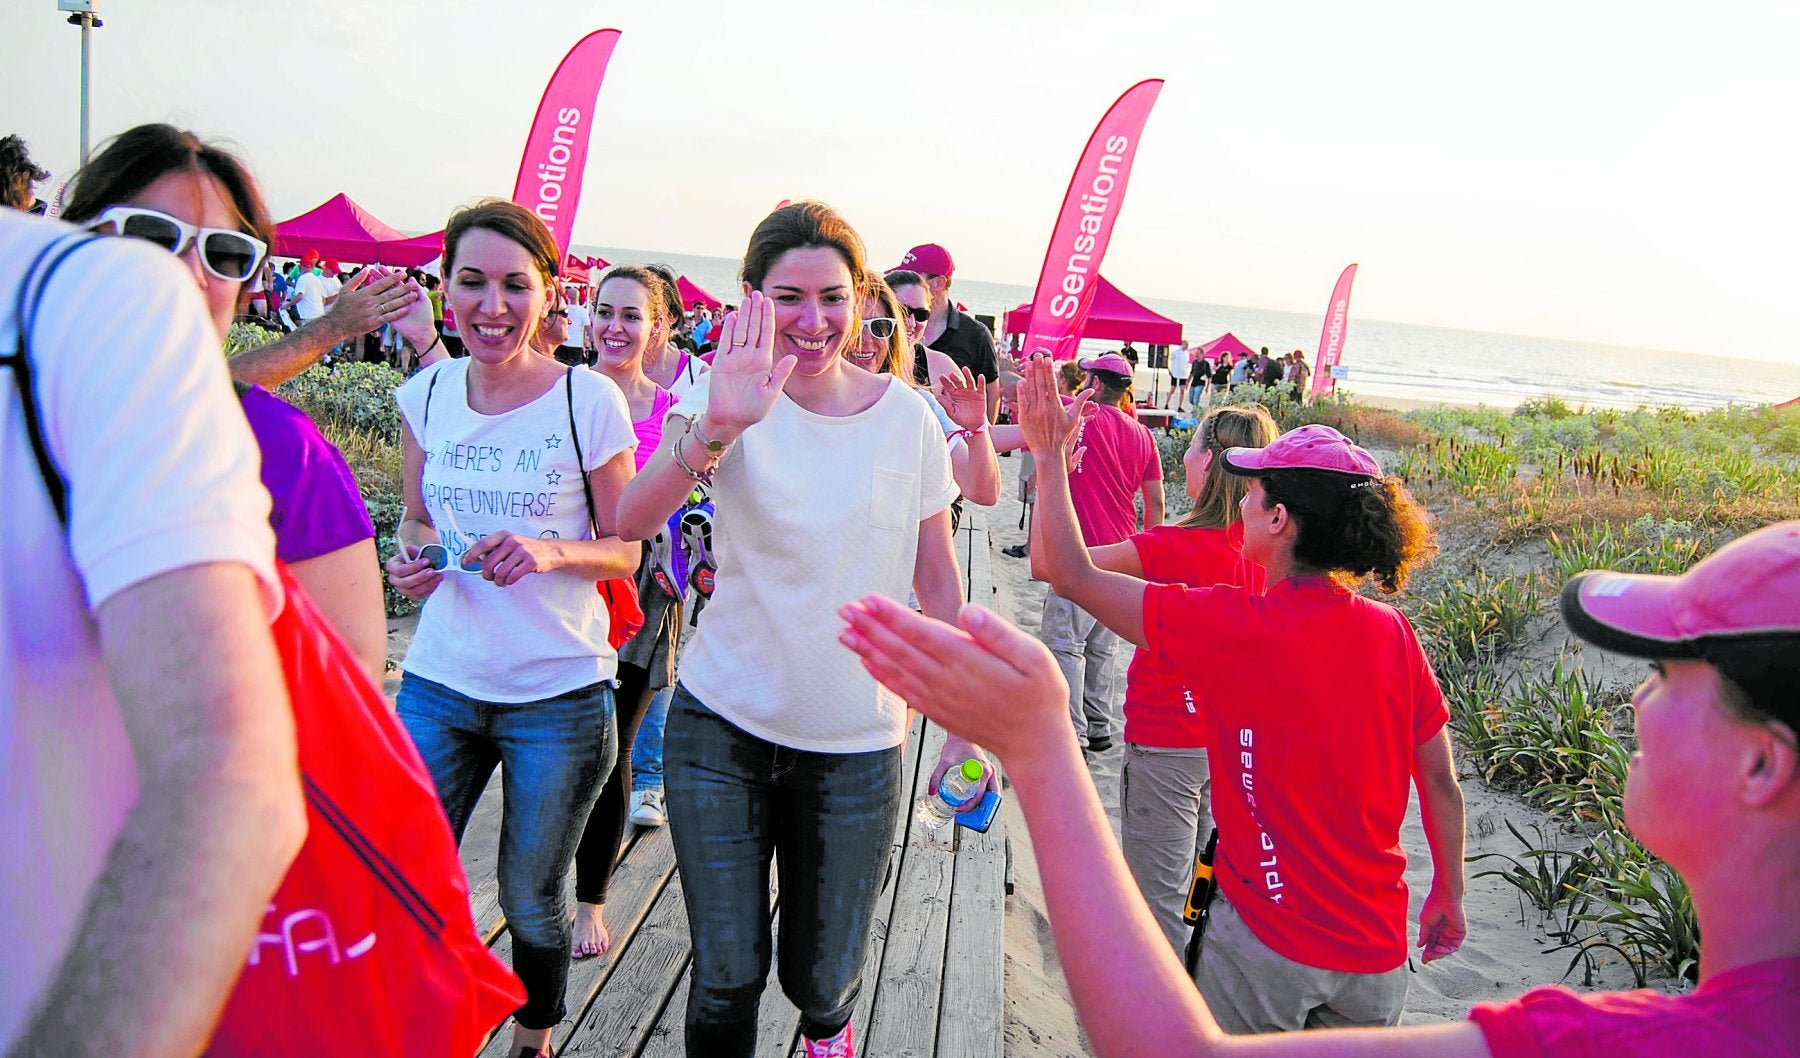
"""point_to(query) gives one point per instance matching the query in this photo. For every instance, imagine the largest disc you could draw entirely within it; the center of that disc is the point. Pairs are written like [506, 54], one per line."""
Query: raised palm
[964, 398]
[746, 378]
[1049, 425]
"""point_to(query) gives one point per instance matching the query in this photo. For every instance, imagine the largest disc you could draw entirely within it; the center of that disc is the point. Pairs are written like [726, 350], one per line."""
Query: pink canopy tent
[339, 229]
[1114, 317]
[691, 293]
[1225, 343]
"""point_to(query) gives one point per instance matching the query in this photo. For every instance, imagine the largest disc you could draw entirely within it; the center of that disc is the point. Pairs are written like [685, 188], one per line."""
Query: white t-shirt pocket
[893, 501]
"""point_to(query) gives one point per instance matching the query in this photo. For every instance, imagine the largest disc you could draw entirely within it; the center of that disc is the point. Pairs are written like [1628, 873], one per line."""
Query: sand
[1505, 952]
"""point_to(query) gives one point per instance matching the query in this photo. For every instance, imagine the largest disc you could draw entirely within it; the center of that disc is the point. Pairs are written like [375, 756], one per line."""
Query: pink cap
[1113, 362]
[1749, 587]
[929, 259]
[1312, 447]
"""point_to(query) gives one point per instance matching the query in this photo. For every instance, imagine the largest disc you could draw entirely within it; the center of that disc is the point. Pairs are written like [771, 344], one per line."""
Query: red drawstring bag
[368, 947]
[624, 613]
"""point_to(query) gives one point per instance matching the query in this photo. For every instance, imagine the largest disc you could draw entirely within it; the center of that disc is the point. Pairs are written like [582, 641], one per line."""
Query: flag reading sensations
[1071, 272]
[1331, 339]
[550, 170]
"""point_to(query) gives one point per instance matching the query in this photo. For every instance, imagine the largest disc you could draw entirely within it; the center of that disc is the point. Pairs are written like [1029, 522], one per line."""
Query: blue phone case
[981, 816]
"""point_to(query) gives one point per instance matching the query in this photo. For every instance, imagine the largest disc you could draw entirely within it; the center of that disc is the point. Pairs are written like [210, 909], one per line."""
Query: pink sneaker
[840, 1046]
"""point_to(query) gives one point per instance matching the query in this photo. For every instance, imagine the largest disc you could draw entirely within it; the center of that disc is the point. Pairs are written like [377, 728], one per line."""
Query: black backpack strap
[31, 296]
[587, 487]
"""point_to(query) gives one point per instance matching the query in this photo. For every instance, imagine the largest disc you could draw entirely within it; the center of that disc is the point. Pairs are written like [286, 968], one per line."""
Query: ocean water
[1406, 360]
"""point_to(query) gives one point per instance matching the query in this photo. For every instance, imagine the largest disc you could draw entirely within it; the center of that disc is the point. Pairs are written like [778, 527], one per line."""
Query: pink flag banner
[550, 170]
[1071, 274]
[1331, 339]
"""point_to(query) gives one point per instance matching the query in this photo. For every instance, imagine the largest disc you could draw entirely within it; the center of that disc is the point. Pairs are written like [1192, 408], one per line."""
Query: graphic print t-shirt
[516, 471]
[1316, 700]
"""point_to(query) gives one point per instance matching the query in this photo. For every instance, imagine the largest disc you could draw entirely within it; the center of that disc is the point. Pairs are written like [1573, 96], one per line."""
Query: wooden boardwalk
[932, 985]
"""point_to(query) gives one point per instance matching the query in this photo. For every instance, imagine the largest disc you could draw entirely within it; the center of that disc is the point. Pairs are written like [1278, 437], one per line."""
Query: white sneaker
[647, 808]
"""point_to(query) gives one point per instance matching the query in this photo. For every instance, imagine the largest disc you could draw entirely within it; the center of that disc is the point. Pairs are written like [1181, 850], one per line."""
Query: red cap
[332, 266]
[929, 259]
[1112, 362]
[1311, 447]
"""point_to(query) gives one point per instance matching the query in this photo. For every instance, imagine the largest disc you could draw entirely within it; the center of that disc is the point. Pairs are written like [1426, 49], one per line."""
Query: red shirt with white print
[1316, 699]
[1161, 707]
[1750, 1010]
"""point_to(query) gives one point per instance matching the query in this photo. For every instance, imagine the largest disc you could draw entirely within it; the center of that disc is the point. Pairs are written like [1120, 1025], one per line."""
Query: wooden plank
[647, 974]
[971, 1011]
[637, 883]
[778, 1021]
[903, 1018]
[647, 865]
[480, 854]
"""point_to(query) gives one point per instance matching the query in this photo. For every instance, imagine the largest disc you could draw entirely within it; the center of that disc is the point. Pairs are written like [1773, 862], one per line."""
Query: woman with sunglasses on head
[199, 201]
[514, 464]
[828, 479]
[1165, 810]
[630, 316]
[960, 403]
[1312, 762]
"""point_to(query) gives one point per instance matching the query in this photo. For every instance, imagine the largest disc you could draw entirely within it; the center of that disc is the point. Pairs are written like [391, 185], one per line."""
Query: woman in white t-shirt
[829, 481]
[514, 465]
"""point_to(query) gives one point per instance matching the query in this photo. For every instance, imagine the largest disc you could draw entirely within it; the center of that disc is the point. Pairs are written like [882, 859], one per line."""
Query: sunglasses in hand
[439, 558]
[229, 254]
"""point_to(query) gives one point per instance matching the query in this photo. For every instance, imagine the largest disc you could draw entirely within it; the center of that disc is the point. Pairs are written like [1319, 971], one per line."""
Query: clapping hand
[964, 399]
[746, 379]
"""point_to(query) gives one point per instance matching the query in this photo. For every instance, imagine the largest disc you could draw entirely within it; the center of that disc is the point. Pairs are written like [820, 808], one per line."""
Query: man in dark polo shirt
[951, 331]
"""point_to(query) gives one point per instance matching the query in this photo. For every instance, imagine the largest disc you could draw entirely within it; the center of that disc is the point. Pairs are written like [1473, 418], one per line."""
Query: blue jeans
[647, 751]
[553, 755]
[735, 800]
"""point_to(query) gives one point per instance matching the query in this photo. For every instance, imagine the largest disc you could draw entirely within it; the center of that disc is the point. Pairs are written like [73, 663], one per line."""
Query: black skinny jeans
[598, 852]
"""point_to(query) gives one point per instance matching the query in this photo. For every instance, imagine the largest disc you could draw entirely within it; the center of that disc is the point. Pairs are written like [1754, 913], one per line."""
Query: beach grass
[1523, 499]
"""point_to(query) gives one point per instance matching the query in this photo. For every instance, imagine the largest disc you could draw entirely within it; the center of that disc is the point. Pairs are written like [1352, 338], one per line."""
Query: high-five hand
[1049, 426]
[746, 379]
[964, 398]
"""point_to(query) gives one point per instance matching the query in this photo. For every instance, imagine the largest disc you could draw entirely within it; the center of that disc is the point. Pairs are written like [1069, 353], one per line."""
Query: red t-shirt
[1162, 708]
[1315, 700]
[1121, 456]
[1750, 1010]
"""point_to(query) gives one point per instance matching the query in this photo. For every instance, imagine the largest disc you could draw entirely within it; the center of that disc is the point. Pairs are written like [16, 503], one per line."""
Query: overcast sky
[1615, 172]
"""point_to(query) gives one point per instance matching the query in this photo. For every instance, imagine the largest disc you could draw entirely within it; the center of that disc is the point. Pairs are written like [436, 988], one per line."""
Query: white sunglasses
[231, 255]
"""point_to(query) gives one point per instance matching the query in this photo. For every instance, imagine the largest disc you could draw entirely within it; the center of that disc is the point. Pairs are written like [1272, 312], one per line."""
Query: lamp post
[81, 13]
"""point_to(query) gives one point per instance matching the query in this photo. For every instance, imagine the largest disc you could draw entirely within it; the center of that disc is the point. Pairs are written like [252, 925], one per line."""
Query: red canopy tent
[1225, 343]
[1114, 317]
[339, 229]
[691, 293]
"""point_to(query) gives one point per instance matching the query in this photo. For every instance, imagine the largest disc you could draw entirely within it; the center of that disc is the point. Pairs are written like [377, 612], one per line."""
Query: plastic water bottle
[955, 792]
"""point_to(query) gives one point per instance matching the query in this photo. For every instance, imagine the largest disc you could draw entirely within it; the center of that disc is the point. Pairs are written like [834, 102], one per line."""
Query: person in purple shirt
[163, 184]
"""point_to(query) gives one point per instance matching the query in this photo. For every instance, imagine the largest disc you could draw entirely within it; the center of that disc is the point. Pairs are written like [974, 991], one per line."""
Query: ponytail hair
[1377, 530]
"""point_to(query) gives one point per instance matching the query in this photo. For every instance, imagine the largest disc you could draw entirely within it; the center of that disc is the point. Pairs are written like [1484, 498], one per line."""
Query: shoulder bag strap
[587, 487]
[31, 296]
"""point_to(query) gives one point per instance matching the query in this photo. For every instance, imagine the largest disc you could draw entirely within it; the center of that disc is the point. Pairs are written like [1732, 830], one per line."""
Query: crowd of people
[579, 481]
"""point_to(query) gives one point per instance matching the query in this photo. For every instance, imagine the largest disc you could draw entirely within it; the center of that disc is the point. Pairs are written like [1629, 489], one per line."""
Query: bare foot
[590, 938]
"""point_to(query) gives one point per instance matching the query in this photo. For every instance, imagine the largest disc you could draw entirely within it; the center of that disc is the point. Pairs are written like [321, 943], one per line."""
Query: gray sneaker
[647, 808]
